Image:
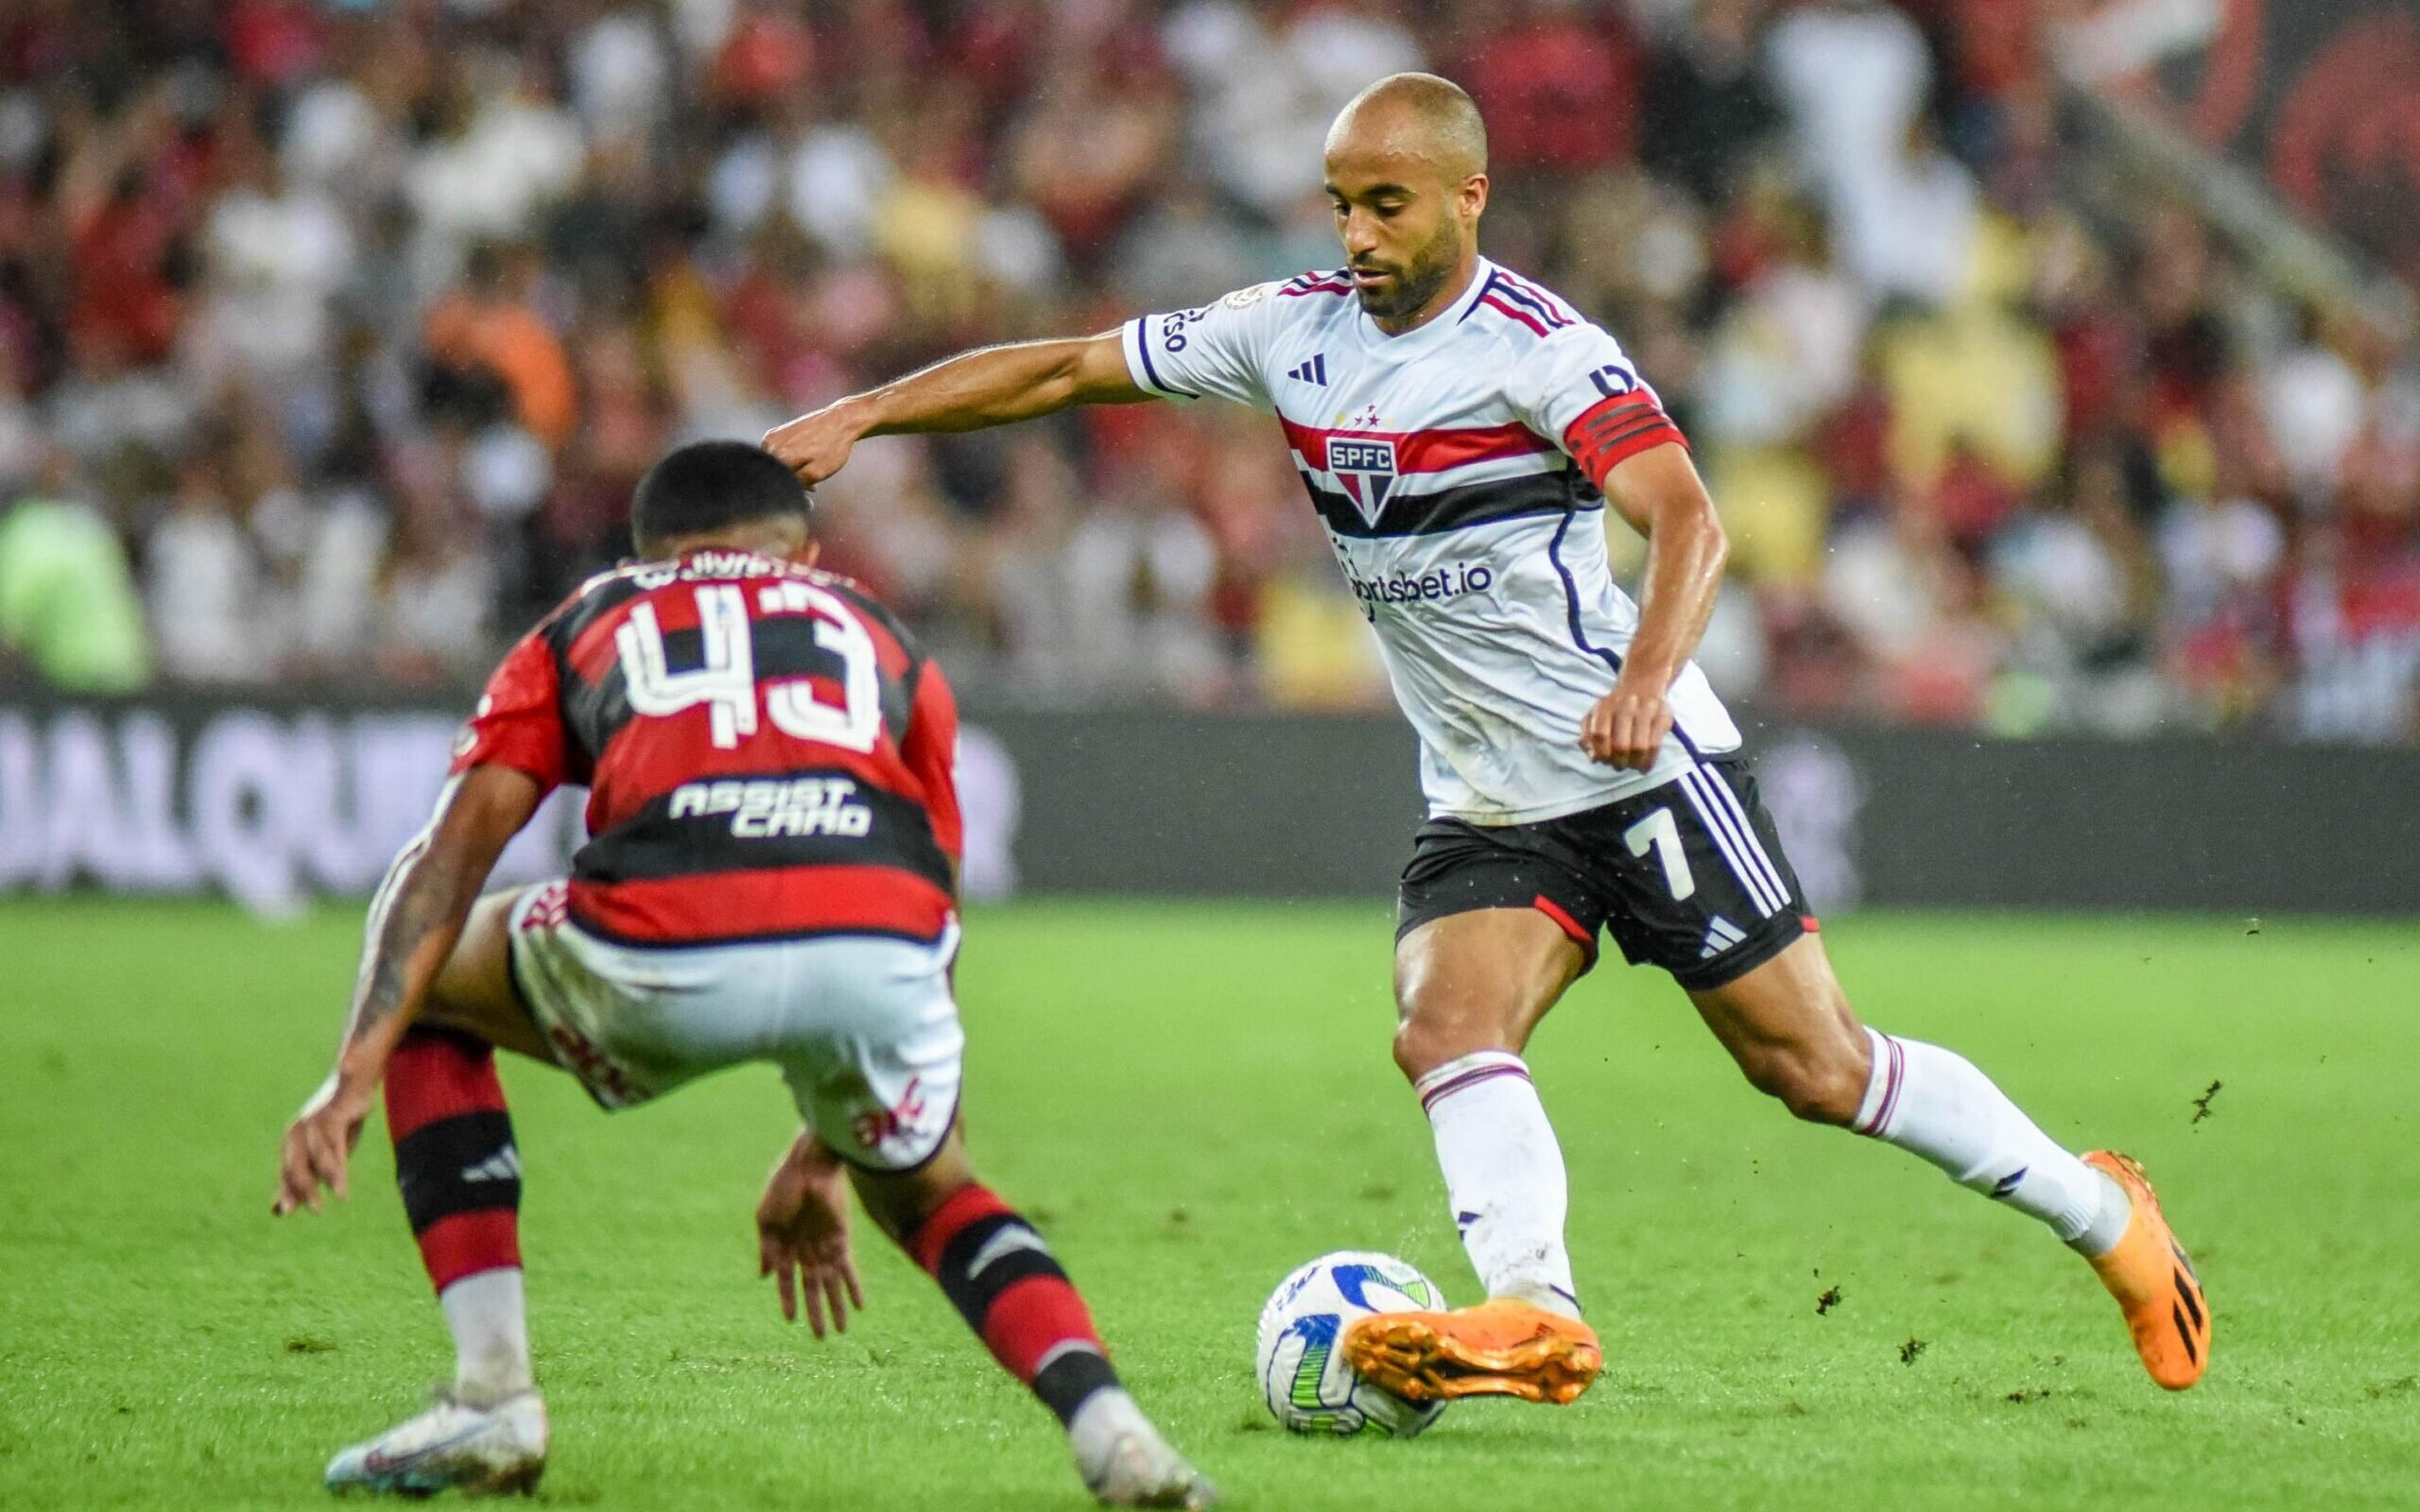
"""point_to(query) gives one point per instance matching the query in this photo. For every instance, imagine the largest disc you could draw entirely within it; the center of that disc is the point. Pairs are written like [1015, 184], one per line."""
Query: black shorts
[1688, 876]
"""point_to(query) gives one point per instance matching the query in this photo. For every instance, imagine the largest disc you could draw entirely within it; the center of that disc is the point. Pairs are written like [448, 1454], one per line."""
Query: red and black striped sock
[1009, 1287]
[455, 1156]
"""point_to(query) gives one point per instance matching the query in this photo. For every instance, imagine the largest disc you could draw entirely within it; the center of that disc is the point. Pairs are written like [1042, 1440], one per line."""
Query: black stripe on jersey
[603, 598]
[710, 835]
[590, 715]
[594, 711]
[1458, 508]
[898, 694]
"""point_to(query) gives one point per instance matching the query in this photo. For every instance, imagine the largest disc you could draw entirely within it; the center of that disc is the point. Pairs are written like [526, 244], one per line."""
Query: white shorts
[864, 1027]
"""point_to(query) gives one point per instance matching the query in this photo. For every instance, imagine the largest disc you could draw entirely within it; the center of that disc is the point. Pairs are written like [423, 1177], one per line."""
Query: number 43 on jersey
[725, 679]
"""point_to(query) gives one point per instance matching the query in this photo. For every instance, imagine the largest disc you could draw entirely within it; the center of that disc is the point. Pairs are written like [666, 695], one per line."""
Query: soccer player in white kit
[1460, 432]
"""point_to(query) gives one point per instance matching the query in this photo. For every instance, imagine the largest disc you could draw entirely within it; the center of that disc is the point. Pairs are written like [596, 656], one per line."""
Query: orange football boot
[2153, 1280]
[1498, 1348]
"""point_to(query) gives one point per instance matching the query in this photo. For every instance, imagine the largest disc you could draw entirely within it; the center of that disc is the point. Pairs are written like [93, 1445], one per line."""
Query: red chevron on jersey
[1424, 451]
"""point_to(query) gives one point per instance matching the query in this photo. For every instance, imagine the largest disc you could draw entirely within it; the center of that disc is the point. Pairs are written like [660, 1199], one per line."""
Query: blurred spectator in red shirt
[275, 42]
[1559, 87]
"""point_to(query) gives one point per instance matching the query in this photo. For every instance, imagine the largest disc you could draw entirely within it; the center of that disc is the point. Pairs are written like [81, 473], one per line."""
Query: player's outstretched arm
[991, 385]
[1659, 492]
[414, 921]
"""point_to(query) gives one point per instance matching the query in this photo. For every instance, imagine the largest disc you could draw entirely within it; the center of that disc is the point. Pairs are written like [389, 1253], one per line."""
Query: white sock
[1933, 1102]
[491, 1330]
[1503, 1176]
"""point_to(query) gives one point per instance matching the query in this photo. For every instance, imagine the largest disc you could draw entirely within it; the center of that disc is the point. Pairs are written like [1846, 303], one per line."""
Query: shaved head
[1418, 115]
[1407, 174]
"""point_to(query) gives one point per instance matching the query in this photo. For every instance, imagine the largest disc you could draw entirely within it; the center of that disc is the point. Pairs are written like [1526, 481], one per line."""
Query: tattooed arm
[414, 920]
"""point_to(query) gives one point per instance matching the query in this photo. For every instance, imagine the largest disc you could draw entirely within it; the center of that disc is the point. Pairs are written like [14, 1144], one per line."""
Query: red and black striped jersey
[766, 751]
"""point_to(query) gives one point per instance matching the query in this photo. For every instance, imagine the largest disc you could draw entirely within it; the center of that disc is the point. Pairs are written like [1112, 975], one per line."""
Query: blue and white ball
[1303, 1373]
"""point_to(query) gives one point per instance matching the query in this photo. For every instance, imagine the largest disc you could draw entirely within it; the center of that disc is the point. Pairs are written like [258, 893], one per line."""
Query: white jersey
[1441, 462]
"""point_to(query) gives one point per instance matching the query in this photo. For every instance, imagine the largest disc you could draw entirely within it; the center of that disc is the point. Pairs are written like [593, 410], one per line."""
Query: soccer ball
[1303, 1377]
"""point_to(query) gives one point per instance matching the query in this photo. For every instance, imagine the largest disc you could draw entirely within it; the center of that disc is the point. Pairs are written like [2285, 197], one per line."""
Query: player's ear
[1474, 197]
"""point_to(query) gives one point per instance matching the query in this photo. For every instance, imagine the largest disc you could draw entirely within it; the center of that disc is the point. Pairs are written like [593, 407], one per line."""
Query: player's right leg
[460, 1176]
[1486, 950]
[1001, 1276]
[873, 1061]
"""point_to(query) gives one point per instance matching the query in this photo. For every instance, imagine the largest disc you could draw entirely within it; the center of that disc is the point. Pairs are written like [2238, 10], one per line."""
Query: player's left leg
[1789, 1026]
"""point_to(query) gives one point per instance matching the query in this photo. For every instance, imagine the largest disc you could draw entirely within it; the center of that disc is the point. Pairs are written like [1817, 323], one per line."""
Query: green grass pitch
[1192, 1099]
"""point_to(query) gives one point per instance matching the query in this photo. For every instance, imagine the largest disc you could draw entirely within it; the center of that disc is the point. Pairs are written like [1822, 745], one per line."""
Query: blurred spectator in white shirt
[1264, 86]
[206, 590]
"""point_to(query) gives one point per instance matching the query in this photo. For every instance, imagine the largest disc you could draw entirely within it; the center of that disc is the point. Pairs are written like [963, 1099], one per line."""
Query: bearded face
[1391, 289]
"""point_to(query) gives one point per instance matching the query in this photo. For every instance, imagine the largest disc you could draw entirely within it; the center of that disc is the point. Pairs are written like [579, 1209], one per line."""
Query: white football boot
[453, 1445]
[1126, 1463]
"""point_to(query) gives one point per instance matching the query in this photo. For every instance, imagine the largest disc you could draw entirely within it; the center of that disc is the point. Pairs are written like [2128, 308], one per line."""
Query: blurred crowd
[334, 334]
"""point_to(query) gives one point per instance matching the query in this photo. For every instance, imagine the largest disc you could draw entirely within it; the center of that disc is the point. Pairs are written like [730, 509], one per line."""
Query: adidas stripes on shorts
[1688, 875]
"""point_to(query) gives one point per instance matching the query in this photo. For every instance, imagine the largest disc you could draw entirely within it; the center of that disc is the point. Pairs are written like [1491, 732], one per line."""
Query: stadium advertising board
[1301, 806]
[268, 807]
[273, 801]
[273, 804]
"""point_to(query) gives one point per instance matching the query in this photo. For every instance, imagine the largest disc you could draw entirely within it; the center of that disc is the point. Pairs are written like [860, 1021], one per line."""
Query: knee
[898, 1207]
[902, 1202]
[1426, 1040]
[1816, 1083]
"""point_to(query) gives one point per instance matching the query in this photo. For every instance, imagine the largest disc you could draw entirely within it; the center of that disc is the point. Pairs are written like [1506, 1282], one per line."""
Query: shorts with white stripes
[1688, 875]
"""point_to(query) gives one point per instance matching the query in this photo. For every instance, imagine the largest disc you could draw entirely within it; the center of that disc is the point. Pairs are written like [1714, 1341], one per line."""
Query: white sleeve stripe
[1138, 361]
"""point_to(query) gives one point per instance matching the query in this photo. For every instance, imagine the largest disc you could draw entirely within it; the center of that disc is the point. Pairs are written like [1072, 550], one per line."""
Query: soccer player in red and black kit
[771, 876]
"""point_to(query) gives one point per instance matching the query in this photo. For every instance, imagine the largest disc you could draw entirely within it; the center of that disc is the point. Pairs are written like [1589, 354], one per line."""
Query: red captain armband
[1619, 428]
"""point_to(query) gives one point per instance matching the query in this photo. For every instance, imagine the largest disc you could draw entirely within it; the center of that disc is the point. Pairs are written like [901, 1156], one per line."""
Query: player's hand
[815, 446]
[1627, 726]
[318, 1145]
[802, 1237]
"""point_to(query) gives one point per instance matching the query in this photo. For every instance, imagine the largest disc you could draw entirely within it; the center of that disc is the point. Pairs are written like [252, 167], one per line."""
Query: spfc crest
[1366, 470]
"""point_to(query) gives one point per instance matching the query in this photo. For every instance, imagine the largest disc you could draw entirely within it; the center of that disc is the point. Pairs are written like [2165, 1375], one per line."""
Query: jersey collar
[1413, 340]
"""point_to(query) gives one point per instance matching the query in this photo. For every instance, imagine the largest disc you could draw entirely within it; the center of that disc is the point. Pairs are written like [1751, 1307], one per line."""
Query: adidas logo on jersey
[1313, 372]
[1719, 936]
